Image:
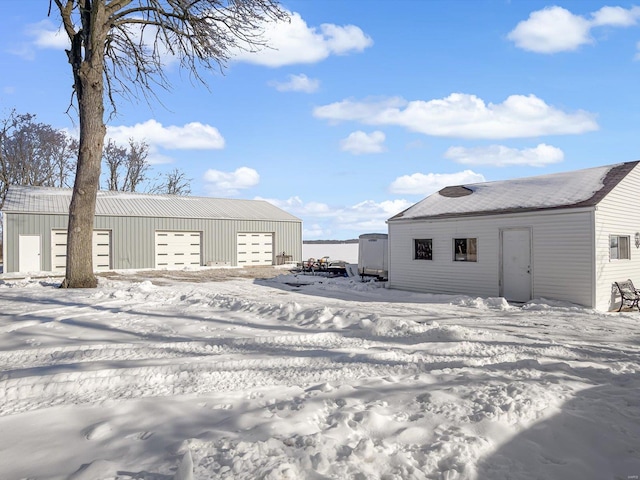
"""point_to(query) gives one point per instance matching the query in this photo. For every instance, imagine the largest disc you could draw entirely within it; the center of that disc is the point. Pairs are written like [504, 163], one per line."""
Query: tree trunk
[87, 60]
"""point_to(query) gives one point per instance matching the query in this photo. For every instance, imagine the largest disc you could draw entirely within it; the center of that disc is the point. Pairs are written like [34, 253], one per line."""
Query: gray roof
[581, 188]
[45, 200]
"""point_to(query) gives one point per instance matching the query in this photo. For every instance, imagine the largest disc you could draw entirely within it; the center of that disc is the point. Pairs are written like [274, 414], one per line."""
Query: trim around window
[619, 247]
[465, 249]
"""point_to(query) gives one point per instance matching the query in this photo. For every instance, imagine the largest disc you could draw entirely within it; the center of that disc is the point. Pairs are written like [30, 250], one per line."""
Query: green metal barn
[144, 231]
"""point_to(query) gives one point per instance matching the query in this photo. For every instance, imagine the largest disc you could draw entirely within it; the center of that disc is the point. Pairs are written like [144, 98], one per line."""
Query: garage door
[177, 249]
[255, 249]
[101, 250]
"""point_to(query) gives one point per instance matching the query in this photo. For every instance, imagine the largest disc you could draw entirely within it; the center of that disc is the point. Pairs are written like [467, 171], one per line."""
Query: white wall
[562, 253]
[617, 214]
[335, 251]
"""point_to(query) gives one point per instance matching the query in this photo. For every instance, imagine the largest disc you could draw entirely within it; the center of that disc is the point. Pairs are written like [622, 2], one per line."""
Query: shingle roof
[580, 188]
[22, 199]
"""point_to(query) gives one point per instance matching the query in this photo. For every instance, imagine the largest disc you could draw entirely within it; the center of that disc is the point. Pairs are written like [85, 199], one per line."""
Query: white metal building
[133, 230]
[566, 236]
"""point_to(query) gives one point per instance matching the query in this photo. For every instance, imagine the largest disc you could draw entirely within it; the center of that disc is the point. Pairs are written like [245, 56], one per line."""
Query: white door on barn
[255, 248]
[175, 250]
[101, 249]
[516, 264]
[29, 253]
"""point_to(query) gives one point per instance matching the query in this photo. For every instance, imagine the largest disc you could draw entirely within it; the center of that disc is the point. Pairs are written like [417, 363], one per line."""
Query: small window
[619, 248]
[465, 249]
[423, 249]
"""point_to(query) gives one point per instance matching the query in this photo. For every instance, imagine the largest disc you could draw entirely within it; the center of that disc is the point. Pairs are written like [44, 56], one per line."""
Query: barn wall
[562, 251]
[30, 224]
[133, 240]
[617, 215]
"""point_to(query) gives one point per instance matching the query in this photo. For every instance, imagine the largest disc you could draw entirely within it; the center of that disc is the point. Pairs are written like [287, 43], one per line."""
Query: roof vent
[455, 192]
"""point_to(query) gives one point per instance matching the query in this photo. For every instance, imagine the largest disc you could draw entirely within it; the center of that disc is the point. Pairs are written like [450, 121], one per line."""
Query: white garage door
[177, 249]
[101, 250]
[255, 249]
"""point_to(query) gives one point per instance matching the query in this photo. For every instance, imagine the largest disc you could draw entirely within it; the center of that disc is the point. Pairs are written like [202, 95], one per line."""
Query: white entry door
[29, 253]
[516, 264]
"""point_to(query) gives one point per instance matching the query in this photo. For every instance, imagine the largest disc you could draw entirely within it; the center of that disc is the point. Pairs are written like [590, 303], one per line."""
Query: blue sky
[363, 108]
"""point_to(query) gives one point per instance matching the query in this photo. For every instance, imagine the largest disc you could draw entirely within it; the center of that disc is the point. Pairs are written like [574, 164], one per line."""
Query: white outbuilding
[143, 231]
[565, 236]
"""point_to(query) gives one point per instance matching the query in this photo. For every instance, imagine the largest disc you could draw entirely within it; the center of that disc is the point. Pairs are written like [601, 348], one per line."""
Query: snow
[309, 377]
[544, 191]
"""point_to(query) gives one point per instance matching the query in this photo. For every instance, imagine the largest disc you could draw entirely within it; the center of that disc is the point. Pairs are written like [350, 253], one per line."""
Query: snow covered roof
[22, 199]
[580, 188]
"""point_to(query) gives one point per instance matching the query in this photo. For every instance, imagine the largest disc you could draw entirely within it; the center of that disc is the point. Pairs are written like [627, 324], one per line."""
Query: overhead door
[101, 250]
[255, 249]
[177, 249]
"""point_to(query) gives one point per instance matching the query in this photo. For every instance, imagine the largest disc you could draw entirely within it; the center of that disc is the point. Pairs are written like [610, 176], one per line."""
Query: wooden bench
[628, 294]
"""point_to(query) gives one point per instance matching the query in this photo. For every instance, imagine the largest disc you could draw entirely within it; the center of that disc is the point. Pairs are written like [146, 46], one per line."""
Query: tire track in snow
[92, 387]
[34, 358]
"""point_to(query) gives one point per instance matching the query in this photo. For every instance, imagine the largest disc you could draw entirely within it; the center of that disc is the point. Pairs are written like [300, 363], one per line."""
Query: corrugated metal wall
[133, 237]
[562, 252]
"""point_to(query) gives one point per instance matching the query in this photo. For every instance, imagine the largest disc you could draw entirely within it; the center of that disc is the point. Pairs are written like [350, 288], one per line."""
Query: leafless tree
[174, 182]
[118, 47]
[113, 157]
[126, 168]
[33, 153]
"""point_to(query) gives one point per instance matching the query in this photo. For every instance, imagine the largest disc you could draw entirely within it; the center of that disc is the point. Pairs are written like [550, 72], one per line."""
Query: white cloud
[297, 83]
[45, 35]
[287, 43]
[501, 156]
[294, 42]
[360, 142]
[465, 116]
[225, 184]
[365, 216]
[425, 184]
[556, 29]
[191, 136]
[615, 17]
[315, 231]
[156, 158]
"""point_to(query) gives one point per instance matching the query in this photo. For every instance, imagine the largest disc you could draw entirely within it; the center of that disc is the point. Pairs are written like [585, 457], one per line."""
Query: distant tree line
[36, 154]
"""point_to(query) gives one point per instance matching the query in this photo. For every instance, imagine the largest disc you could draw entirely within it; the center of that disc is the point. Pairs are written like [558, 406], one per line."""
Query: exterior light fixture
[637, 238]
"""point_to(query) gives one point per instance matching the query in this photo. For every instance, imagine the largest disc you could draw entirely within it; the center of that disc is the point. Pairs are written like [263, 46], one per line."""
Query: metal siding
[30, 224]
[133, 237]
[561, 255]
[25, 199]
[616, 215]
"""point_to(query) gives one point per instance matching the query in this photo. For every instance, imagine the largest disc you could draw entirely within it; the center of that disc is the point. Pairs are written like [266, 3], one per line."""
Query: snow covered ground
[305, 377]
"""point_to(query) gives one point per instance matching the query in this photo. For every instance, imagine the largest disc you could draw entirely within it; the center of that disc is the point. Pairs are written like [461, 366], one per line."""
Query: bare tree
[137, 165]
[174, 182]
[113, 157]
[126, 168]
[34, 153]
[108, 49]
